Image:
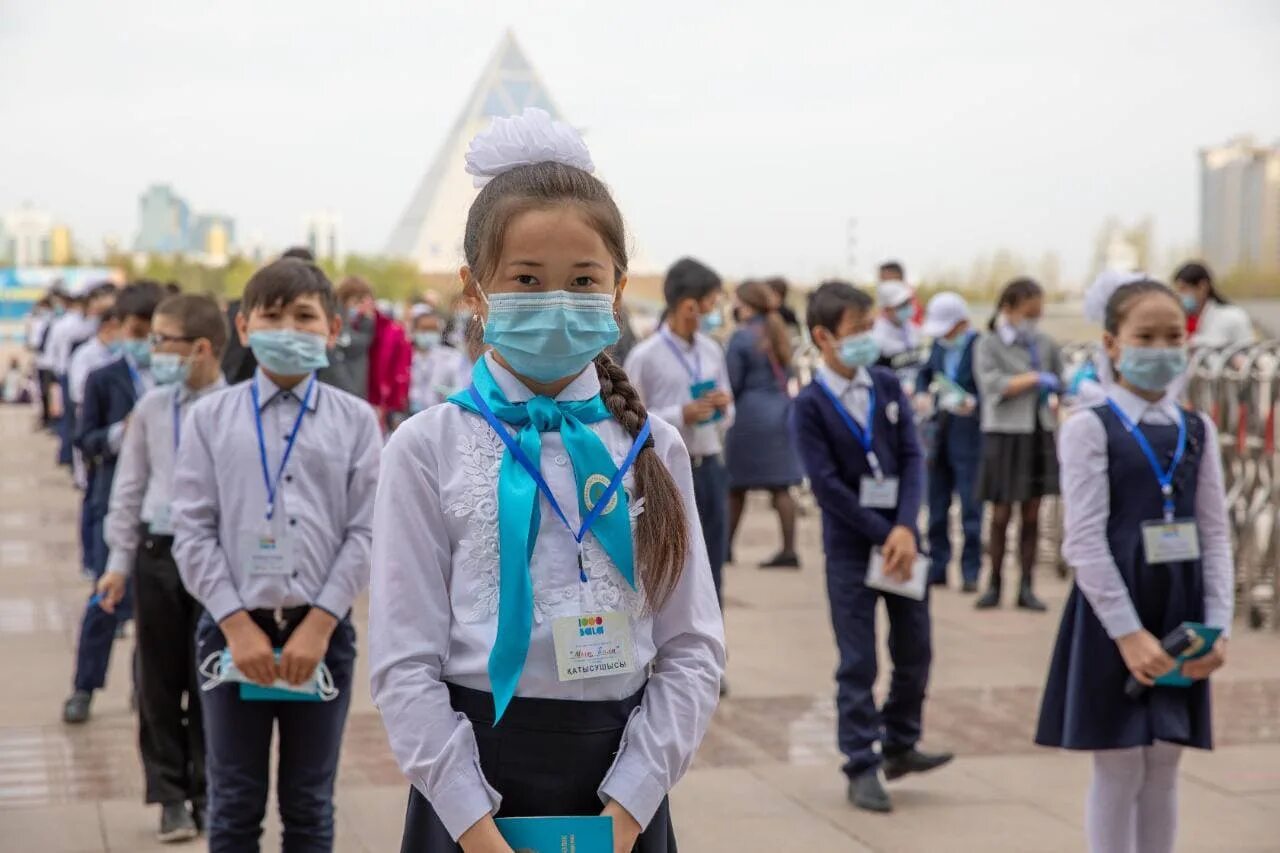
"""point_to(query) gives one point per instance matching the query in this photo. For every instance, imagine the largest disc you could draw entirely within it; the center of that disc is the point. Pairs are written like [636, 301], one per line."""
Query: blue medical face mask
[219, 668]
[954, 342]
[1152, 368]
[426, 340]
[139, 349]
[1190, 304]
[551, 334]
[711, 323]
[115, 347]
[859, 350]
[168, 368]
[287, 352]
[905, 312]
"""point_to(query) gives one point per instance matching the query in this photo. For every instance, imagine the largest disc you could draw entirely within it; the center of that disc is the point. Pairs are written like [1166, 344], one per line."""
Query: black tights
[1001, 514]
[783, 504]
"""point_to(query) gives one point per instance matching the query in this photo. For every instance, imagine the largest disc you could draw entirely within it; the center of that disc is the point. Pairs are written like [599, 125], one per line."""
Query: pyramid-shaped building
[430, 230]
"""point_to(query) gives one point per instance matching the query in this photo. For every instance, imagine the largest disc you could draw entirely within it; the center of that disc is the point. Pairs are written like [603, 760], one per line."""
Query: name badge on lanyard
[1169, 540]
[266, 548]
[876, 491]
[594, 643]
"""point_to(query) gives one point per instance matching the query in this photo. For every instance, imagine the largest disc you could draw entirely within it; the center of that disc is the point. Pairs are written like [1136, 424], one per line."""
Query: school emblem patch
[590, 492]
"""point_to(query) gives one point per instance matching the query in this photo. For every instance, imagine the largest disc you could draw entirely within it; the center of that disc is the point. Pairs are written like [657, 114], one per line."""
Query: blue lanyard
[1163, 477]
[138, 387]
[536, 473]
[177, 418]
[694, 369]
[288, 448]
[864, 436]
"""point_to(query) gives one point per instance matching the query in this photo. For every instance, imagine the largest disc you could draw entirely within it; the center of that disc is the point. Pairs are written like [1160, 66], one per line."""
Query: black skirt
[546, 757]
[1018, 467]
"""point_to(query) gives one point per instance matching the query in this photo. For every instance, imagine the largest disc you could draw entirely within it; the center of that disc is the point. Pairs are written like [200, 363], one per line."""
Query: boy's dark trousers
[98, 627]
[170, 738]
[711, 496]
[955, 471]
[238, 747]
[859, 724]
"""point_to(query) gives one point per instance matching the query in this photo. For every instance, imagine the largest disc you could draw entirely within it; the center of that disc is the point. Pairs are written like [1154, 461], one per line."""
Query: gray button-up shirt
[323, 504]
[141, 491]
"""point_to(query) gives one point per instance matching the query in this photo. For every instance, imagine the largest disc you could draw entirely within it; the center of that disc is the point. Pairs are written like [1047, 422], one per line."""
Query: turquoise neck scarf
[519, 514]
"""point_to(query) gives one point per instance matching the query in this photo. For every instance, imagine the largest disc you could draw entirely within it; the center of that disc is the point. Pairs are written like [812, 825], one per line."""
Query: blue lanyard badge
[138, 388]
[694, 368]
[864, 436]
[177, 418]
[535, 472]
[273, 485]
[1163, 477]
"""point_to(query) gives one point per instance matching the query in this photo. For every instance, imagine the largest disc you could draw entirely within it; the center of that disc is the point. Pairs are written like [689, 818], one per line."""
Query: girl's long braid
[662, 531]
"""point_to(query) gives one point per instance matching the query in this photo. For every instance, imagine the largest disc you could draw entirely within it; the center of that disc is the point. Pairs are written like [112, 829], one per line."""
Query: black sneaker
[866, 791]
[1027, 600]
[76, 709]
[969, 587]
[782, 560]
[989, 599]
[913, 761]
[176, 823]
[200, 811]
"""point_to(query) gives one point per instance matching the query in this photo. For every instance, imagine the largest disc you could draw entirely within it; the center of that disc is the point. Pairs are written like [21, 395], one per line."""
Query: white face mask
[218, 668]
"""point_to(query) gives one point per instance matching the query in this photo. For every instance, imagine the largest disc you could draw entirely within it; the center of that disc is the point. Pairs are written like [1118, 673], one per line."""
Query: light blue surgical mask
[219, 668]
[288, 352]
[168, 368]
[859, 350]
[139, 349]
[906, 312]
[550, 334]
[426, 340]
[1152, 368]
[712, 322]
[1190, 303]
[115, 347]
[955, 342]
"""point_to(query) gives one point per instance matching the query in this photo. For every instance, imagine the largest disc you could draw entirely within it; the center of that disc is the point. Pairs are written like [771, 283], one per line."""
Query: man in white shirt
[897, 332]
[681, 375]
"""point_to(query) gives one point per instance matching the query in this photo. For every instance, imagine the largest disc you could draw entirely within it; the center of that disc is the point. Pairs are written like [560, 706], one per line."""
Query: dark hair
[1014, 294]
[353, 287]
[139, 299]
[830, 300]
[1126, 295]
[662, 530]
[300, 253]
[778, 285]
[1195, 273]
[894, 268]
[199, 316]
[111, 314]
[756, 295]
[689, 279]
[284, 281]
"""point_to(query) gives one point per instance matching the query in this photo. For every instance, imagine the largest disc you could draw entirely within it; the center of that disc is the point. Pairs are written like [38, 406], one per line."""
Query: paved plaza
[767, 778]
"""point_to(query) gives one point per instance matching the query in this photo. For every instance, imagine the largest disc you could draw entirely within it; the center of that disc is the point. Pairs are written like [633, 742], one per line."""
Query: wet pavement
[766, 779]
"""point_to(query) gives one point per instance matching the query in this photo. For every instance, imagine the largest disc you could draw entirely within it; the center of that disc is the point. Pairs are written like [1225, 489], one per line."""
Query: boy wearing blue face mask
[188, 335]
[853, 429]
[895, 328]
[110, 393]
[682, 378]
[437, 370]
[272, 510]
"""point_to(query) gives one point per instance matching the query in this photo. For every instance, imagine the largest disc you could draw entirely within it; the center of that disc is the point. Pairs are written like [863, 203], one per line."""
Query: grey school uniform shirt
[997, 358]
[323, 505]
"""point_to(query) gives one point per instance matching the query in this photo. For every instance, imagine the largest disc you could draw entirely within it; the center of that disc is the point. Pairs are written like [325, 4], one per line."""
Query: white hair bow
[533, 137]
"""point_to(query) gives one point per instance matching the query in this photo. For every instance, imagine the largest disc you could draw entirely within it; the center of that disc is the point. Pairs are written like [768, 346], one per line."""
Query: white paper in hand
[912, 588]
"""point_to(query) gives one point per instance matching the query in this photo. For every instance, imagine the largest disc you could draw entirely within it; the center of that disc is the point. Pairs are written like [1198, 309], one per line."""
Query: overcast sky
[747, 133]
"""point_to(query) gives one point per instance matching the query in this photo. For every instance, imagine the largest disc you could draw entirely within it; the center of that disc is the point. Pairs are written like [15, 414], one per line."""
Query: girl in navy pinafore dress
[1123, 604]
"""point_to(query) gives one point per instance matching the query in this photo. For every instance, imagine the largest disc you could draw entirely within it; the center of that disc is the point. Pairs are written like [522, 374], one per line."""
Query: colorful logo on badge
[590, 493]
[590, 626]
[266, 543]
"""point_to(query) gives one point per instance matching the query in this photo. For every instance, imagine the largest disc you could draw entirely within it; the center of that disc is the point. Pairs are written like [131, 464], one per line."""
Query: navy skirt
[524, 759]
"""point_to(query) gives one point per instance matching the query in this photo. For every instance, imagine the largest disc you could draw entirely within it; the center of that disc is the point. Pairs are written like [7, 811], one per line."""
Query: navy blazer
[964, 370]
[109, 397]
[835, 463]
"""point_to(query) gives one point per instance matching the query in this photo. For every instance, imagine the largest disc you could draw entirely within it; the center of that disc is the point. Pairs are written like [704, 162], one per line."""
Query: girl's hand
[1144, 656]
[1203, 667]
[626, 830]
[483, 837]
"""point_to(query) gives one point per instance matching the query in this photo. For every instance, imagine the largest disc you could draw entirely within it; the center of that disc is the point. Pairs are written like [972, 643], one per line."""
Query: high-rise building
[213, 235]
[322, 236]
[430, 230]
[163, 221]
[1240, 206]
[26, 238]
[61, 249]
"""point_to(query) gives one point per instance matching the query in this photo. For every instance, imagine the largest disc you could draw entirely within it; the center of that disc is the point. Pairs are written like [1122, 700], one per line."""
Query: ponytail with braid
[662, 530]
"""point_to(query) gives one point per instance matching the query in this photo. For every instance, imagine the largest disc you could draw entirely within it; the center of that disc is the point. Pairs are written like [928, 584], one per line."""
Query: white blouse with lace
[433, 608]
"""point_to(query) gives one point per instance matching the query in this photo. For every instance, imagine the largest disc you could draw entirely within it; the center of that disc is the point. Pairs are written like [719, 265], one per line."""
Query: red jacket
[390, 360]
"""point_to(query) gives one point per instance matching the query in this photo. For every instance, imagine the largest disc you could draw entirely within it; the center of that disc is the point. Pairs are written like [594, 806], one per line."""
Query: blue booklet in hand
[558, 834]
[1200, 642]
[697, 390]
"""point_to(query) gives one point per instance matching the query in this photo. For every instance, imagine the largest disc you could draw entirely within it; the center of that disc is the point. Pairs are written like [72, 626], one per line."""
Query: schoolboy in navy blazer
[840, 318]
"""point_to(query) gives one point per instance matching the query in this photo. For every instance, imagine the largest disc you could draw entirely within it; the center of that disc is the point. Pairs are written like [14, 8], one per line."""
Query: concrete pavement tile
[373, 816]
[1209, 819]
[767, 835]
[925, 827]
[731, 794]
[823, 787]
[1053, 781]
[1236, 769]
[66, 828]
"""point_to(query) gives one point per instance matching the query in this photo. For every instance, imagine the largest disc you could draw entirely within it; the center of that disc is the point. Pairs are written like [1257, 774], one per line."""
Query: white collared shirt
[142, 489]
[66, 331]
[854, 393]
[895, 339]
[435, 374]
[664, 379]
[1222, 325]
[87, 358]
[1086, 496]
[433, 608]
[324, 499]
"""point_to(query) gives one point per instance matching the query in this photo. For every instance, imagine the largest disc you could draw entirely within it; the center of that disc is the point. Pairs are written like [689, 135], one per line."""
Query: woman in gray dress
[758, 445]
